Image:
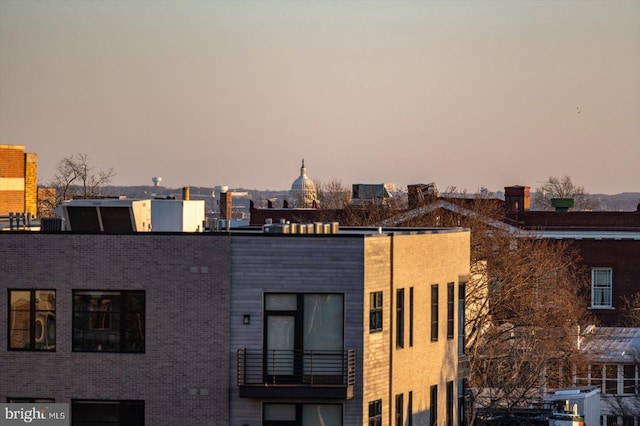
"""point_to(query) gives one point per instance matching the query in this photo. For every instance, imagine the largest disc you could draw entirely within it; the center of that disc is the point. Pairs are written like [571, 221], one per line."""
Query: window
[449, 403]
[434, 313]
[410, 409]
[304, 337]
[29, 400]
[32, 320]
[433, 410]
[276, 414]
[461, 402]
[611, 379]
[629, 384]
[400, 318]
[595, 371]
[461, 318]
[450, 310]
[411, 317]
[375, 413]
[399, 410]
[601, 287]
[107, 413]
[108, 321]
[375, 312]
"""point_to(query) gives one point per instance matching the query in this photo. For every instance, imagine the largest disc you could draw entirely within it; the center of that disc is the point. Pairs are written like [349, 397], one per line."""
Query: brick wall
[417, 261]
[31, 184]
[12, 174]
[12, 161]
[182, 376]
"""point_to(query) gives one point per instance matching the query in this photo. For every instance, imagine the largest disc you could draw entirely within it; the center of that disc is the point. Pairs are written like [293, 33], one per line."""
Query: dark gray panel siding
[293, 264]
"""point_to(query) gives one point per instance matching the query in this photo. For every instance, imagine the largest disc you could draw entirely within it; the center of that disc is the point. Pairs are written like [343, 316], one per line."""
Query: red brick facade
[18, 180]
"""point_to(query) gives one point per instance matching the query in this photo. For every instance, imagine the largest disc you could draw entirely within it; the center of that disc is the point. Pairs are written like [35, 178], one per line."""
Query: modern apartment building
[242, 328]
[358, 328]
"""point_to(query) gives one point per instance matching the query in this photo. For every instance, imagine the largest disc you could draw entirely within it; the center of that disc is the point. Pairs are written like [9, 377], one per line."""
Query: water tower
[156, 181]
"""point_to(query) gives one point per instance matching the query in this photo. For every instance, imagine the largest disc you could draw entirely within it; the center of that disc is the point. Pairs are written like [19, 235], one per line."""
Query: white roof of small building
[612, 344]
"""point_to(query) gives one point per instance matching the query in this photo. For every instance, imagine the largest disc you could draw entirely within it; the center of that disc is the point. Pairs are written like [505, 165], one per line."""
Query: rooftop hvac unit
[51, 224]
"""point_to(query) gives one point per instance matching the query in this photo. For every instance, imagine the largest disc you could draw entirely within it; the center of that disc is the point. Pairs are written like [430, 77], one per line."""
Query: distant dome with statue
[303, 191]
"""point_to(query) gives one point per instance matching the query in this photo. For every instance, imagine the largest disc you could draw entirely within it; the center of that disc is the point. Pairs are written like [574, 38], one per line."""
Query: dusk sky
[204, 93]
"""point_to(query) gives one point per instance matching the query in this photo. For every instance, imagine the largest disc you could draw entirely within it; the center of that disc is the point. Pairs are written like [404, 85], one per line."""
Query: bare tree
[563, 187]
[524, 302]
[333, 194]
[76, 178]
[631, 310]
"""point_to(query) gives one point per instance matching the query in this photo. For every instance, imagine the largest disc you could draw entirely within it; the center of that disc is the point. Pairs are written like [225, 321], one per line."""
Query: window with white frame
[601, 287]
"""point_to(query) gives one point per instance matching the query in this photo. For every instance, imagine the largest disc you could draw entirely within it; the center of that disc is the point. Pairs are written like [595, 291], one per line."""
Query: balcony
[296, 374]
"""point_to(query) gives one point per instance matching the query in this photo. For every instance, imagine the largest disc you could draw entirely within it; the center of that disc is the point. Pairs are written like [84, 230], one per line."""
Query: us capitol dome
[303, 191]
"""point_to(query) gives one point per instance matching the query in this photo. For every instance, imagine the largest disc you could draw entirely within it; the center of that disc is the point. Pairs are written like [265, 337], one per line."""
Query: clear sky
[203, 93]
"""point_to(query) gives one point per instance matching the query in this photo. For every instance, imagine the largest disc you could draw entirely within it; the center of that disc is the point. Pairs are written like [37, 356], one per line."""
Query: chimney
[225, 205]
[186, 193]
[517, 198]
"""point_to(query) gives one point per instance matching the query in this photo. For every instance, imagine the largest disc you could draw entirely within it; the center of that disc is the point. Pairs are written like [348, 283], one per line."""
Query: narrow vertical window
[434, 313]
[400, 318]
[411, 316]
[375, 312]
[450, 310]
[375, 413]
[595, 374]
[461, 318]
[449, 403]
[410, 409]
[629, 384]
[399, 410]
[433, 406]
[32, 320]
[611, 379]
[462, 420]
[601, 287]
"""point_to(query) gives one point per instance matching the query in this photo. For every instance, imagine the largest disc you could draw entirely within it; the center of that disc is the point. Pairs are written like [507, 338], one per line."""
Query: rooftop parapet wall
[579, 220]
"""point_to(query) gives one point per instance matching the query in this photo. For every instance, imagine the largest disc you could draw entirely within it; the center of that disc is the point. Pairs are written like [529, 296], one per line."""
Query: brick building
[608, 244]
[117, 325]
[18, 180]
[240, 328]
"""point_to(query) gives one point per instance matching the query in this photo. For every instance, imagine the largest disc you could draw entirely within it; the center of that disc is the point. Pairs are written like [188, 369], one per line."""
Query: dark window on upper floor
[375, 312]
[450, 309]
[411, 316]
[32, 320]
[461, 318]
[400, 318]
[434, 313]
[108, 321]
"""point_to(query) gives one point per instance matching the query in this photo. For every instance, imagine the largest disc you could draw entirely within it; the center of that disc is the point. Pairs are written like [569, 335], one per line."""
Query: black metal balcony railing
[278, 373]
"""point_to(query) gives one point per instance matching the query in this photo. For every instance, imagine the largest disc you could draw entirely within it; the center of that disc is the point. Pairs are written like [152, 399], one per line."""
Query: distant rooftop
[615, 344]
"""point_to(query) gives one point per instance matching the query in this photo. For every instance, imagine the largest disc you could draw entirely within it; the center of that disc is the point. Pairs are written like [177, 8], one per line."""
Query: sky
[466, 94]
